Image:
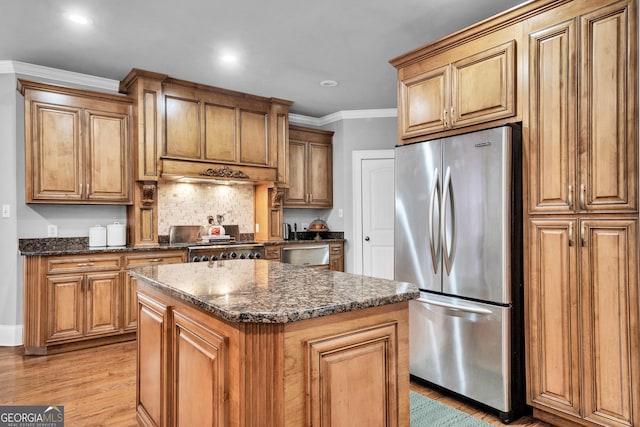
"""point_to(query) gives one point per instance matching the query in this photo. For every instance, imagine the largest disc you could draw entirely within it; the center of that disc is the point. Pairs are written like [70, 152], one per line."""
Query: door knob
[366, 239]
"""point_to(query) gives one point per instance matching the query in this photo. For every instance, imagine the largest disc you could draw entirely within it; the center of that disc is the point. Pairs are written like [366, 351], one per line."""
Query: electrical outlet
[6, 211]
[340, 213]
[52, 230]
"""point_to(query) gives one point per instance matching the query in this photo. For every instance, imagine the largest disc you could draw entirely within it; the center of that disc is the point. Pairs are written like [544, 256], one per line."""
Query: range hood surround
[175, 169]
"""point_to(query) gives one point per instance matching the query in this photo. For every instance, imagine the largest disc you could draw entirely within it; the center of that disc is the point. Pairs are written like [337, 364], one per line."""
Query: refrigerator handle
[455, 307]
[435, 248]
[449, 253]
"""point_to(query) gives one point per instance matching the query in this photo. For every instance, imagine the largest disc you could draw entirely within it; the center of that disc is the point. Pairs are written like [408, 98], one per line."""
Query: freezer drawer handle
[455, 307]
[435, 191]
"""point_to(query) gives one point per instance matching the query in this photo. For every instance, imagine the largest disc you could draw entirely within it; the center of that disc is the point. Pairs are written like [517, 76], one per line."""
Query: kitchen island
[261, 343]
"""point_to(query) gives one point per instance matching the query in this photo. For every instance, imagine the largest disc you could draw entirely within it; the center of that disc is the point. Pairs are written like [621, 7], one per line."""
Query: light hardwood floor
[97, 386]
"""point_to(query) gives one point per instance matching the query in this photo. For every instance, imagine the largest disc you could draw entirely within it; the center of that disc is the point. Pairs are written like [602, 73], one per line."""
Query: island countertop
[261, 291]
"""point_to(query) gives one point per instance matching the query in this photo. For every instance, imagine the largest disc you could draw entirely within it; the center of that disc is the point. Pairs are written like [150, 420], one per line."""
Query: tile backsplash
[189, 204]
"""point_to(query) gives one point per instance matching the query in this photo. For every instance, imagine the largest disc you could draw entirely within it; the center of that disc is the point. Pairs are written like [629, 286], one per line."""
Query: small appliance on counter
[97, 236]
[116, 234]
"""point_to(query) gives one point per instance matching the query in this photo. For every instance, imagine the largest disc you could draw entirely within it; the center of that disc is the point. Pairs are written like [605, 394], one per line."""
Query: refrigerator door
[476, 215]
[417, 229]
[472, 357]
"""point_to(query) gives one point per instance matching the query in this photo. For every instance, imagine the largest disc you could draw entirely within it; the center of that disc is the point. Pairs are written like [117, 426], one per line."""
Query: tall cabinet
[582, 296]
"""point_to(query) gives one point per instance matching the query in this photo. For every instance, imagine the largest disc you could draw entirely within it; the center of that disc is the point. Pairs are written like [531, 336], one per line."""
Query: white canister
[116, 234]
[97, 236]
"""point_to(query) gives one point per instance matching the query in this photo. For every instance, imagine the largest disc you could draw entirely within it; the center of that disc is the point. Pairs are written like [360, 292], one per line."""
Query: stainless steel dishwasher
[307, 255]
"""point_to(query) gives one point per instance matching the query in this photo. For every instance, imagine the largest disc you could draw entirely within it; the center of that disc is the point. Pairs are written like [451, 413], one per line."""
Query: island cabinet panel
[78, 145]
[583, 137]
[336, 366]
[199, 364]
[153, 363]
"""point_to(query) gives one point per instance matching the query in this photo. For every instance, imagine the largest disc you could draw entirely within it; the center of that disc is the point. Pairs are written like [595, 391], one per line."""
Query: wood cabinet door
[54, 154]
[552, 331]
[296, 194]
[182, 124]
[425, 102]
[483, 86]
[199, 363]
[108, 155]
[153, 363]
[102, 307]
[610, 335]
[552, 112]
[338, 363]
[220, 133]
[608, 111]
[320, 175]
[65, 307]
[253, 137]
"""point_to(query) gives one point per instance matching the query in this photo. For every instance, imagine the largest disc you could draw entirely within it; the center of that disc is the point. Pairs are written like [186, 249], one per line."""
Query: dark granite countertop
[80, 245]
[261, 291]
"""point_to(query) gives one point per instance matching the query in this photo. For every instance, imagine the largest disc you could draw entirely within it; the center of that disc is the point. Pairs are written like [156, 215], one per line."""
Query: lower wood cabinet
[583, 321]
[196, 369]
[336, 256]
[78, 301]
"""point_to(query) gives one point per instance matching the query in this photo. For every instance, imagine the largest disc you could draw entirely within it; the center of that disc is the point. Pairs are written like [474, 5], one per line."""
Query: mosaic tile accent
[189, 204]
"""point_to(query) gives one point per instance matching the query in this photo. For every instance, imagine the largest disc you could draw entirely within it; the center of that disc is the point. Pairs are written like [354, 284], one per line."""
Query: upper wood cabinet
[478, 87]
[310, 169]
[77, 145]
[207, 126]
[583, 109]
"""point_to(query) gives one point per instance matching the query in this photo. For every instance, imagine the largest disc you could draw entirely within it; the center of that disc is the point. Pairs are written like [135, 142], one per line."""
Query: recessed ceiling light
[328, 83]
[78, 19]
[229, 58]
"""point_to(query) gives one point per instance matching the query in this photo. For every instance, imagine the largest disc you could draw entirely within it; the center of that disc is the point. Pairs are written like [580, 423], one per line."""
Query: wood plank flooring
[97, 386]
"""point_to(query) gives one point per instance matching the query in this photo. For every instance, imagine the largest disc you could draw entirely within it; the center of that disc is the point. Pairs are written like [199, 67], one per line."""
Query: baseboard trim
[10, 335]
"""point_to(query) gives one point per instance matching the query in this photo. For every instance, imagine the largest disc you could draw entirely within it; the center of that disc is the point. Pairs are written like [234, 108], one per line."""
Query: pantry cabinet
[476, 87]
[78, 145]
[583, 110]
[310, 169]
[582, 319]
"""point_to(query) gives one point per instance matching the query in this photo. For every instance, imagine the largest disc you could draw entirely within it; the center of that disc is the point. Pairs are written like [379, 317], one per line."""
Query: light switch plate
[6, 211]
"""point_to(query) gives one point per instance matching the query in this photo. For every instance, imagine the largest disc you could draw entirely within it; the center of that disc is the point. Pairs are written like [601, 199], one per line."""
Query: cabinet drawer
[72, 264]
[335, 249]
[272, 252]
[131, 261]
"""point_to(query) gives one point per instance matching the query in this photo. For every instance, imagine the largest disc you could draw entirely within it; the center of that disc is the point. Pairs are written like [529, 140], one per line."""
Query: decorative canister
[116, 234]
[97, 236]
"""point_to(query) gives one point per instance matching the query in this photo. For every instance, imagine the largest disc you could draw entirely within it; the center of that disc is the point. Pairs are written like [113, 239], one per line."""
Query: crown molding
[63, 76]
[342, 115]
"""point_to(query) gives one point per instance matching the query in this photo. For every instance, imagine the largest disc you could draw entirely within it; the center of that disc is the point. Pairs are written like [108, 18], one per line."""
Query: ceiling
[285, 48]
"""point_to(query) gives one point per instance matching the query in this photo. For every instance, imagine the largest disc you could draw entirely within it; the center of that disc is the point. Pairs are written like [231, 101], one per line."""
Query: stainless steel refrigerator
[458, 237]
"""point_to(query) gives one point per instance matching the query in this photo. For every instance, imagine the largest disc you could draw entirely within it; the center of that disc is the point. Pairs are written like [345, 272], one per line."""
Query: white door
[375, 211]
